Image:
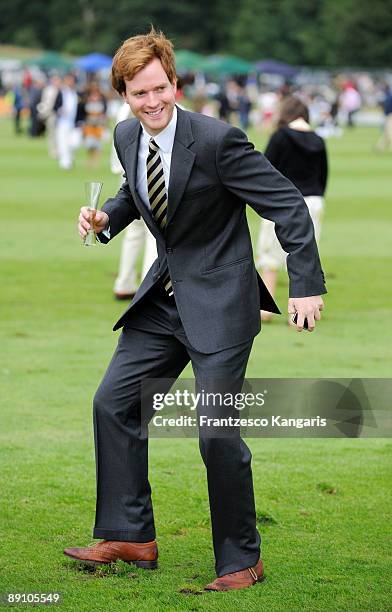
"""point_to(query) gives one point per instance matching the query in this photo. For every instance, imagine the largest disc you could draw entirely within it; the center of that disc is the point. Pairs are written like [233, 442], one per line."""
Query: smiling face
[151, 97]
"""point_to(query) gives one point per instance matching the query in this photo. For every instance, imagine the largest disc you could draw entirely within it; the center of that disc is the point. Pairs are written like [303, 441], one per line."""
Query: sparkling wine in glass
[93, 191]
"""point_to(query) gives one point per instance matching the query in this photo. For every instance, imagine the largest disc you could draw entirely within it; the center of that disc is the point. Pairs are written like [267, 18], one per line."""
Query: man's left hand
[308, 308]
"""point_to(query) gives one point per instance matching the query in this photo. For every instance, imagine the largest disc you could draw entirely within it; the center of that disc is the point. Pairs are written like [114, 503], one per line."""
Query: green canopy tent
[225, 65]
[51, 60]
[189, 61]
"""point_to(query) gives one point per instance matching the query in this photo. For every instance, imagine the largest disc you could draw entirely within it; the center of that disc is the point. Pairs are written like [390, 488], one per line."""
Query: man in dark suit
[190, 178]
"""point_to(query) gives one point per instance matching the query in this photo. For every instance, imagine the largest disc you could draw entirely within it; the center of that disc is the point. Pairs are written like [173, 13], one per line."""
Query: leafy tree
[310, 32]
[358, 32]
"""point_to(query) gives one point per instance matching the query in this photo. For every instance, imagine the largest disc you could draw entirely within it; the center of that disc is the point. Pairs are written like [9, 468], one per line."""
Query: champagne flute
[93, 191]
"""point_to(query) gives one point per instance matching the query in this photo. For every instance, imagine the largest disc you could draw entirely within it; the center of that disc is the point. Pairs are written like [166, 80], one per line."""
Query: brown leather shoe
[238, 580]
[142, 555]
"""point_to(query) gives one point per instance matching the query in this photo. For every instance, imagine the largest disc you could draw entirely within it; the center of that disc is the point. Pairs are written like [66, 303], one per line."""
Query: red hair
[138, 51]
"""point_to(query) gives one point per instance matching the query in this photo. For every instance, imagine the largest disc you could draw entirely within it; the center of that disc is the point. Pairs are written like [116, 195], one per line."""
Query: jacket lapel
[131, 157]
[182, 161]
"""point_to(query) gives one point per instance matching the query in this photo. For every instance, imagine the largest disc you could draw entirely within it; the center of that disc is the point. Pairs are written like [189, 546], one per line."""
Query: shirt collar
[300, 125]
[164, 139]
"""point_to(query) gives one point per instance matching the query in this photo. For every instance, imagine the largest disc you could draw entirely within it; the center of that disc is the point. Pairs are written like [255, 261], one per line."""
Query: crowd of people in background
[69, 116]
[331, 108]
[73, 113]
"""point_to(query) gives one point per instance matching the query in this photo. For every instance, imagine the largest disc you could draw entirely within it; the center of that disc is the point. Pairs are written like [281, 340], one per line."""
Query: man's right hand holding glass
[100, 222]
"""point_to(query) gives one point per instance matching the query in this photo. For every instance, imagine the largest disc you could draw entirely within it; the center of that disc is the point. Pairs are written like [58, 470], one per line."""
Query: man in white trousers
[66, 109]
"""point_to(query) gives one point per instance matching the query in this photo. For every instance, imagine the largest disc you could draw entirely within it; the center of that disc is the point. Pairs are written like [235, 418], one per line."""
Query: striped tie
[157, 197]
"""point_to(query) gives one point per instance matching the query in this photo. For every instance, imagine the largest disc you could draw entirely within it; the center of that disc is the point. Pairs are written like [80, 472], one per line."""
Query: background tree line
[307, 32]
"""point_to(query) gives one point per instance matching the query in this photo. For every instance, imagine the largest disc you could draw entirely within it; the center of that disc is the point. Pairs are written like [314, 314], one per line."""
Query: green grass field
[322, 551]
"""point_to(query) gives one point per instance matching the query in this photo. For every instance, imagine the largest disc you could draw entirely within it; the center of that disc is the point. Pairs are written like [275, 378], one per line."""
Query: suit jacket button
[169, 250]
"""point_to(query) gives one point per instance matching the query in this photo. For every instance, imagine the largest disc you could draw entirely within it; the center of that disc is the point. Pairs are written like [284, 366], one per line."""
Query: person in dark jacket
[385, 141]
[244, 108]
[300, 155]
[189, 177]
[19, 105]
[37, 127]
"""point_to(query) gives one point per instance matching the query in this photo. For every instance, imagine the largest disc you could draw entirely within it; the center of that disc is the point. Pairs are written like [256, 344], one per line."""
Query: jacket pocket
[227, 265]
[198, 193]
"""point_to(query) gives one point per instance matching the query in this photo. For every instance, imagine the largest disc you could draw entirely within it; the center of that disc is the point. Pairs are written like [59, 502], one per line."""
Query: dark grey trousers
[154, 345]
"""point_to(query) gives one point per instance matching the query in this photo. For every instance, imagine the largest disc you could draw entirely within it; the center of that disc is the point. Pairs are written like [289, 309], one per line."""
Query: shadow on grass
[263, 518]
[120, 569]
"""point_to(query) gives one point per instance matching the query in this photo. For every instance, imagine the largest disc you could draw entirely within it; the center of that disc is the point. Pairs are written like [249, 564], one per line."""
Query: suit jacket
[214, 173]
